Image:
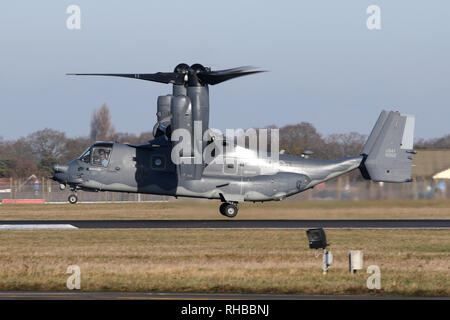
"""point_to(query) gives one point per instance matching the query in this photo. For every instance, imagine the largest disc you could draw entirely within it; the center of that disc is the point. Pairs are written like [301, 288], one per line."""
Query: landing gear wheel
[230, 210]
[72, 199]
[222, 208]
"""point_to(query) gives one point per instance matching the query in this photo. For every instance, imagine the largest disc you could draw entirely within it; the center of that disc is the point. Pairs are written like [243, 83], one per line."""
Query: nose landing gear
[72, 199]
[229, 210]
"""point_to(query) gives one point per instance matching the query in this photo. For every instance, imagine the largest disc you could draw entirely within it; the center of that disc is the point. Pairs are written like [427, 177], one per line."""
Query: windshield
[86, 155]
[97, 154]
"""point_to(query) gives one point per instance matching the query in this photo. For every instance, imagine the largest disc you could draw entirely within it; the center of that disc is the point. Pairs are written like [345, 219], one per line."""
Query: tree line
[39, 151]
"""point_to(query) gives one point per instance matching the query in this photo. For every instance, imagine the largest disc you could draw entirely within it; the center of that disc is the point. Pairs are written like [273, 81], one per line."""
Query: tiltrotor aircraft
[241, 175]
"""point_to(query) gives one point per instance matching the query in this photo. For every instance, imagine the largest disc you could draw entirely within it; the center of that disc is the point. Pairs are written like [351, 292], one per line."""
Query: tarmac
[223, 224]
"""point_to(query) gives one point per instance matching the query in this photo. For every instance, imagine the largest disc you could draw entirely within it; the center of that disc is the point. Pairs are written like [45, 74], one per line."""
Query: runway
[223, 224]
[81, 295]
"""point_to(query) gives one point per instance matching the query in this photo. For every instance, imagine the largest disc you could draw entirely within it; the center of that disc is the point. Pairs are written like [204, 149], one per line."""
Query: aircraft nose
[58, 168]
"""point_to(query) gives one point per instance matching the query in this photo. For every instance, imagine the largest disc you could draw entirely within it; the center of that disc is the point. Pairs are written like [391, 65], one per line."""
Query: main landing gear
[229, 210]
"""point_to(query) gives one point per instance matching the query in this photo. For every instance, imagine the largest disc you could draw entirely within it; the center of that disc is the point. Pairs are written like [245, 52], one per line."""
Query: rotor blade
[215, 77]
[162, 77]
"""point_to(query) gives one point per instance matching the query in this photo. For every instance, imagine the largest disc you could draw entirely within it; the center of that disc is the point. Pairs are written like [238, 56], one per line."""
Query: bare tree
[125, 137]
[47, 143]
[74, 148]
[16, 149]
[436, 143]
[340, 145]
[101, 125]
[19, 168]
[300, 137]
[3, 149]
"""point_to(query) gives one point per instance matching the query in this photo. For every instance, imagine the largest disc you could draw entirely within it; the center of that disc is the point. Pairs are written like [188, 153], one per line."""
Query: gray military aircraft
[241, 174]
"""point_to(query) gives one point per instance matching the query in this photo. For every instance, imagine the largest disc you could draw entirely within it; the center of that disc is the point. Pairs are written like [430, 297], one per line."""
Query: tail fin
[388, 150]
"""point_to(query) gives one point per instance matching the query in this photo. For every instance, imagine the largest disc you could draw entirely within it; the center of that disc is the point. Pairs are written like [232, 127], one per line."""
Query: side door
[234, 167]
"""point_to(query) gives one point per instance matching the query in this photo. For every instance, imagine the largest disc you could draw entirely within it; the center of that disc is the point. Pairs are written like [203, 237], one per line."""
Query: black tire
[230, 210]
[222, 208]
[72, 199]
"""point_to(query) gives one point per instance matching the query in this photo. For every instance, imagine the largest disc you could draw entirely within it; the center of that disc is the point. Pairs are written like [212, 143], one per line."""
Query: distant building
[432, 169]
[442, 175]
[431, 163]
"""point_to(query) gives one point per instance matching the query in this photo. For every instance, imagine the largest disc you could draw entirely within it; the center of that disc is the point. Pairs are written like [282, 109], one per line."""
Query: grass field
[412, 262]
[372, 209]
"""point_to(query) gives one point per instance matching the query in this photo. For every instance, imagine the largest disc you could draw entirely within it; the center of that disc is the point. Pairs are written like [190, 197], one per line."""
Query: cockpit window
[97, 154]
[100, 156]
[86, 156]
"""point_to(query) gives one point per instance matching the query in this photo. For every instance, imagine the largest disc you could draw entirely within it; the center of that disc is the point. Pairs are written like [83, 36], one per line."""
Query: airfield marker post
[327, 260]
[355, 259]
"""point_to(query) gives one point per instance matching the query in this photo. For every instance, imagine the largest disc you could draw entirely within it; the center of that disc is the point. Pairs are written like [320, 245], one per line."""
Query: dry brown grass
[372, 209]
[412, 262]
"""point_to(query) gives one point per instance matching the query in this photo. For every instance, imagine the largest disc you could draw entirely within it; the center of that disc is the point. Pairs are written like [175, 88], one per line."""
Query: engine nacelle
[181, 110]
[163, 116]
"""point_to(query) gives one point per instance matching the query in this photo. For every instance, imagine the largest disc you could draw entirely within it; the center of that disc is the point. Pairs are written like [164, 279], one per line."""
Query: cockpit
[97, 154]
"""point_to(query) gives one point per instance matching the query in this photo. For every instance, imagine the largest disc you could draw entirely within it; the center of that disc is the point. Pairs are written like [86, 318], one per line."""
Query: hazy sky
[325, 66]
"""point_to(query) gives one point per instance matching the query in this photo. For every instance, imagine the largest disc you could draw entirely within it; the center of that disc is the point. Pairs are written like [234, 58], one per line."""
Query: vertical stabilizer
[388, 150]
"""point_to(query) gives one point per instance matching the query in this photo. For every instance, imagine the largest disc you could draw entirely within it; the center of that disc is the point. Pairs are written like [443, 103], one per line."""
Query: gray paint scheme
[148, 168]
[388, 150]
[131, 169]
